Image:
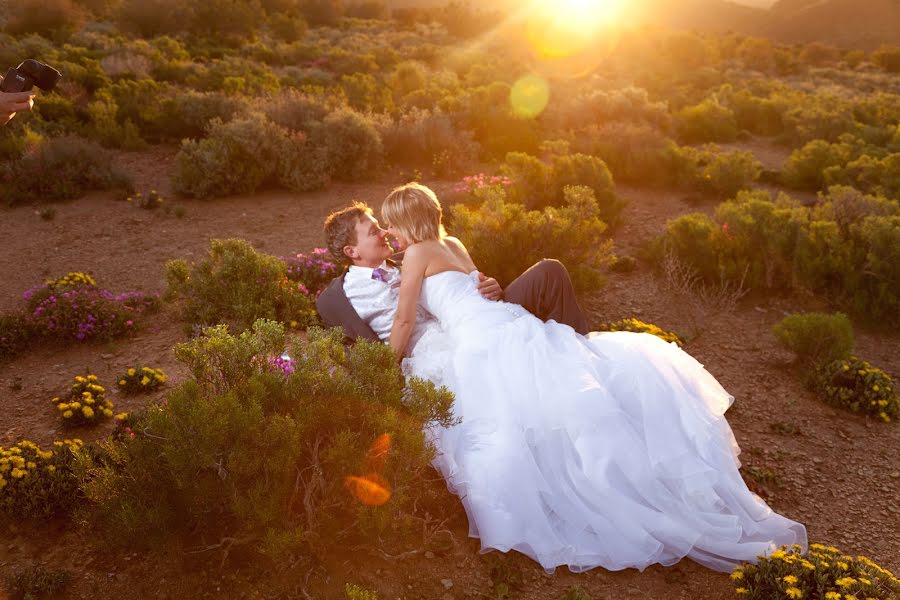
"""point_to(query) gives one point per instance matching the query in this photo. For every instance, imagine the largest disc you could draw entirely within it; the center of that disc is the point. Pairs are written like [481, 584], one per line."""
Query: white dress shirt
[376, 301]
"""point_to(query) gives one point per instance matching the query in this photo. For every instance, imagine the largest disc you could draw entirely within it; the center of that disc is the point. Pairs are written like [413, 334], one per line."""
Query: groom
[363, 300]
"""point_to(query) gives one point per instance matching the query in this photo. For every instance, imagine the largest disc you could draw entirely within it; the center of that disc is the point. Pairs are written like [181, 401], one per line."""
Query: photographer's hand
[13, 102]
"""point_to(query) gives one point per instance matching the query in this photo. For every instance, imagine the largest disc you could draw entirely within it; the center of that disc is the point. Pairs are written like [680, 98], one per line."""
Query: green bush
[37, 581]
[38, 484]
[823, 573]
[354, 146]
[237, 285]
[806, 167]
[709, 170]
[708, 121]
[868, 174]
[15, 335]
[816, 337]
[591, 172]
[888, 58]
[505, 238]
[638, 326]
[633, 152]
[237, 157]
[354, 592]
[243, 450]
[60, 169]
[50, 17]
[854, 384]
[423, 138]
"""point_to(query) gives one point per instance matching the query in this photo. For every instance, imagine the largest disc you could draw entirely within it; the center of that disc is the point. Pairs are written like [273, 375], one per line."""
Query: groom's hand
[488, 287]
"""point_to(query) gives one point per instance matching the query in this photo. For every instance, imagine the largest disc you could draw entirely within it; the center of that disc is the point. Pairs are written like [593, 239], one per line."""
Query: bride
[607, 450]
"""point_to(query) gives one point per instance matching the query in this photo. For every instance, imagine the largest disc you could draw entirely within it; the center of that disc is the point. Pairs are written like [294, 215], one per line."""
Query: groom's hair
[340, 229]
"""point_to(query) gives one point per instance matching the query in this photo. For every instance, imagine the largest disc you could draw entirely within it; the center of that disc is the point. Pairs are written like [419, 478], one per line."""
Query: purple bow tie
[379, 274]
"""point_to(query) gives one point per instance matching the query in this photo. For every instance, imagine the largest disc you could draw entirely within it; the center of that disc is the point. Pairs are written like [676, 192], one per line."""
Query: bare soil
[839, 474]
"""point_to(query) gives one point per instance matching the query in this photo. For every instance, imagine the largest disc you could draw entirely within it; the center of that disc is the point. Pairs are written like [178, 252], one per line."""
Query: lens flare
[378, 452]
[371, 489]
[529, 96]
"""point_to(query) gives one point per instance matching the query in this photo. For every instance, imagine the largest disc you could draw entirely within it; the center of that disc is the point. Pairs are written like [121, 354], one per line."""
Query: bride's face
[402, 242]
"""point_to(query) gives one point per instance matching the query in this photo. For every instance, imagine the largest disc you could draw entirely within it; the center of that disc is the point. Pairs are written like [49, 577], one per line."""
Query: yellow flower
[832, 596]
[845, 582]
[30, 465]
[849, 597]
[875, 388]
[92, 377]
[145, 380]
[121, 382]
[17, 473]
[864, 581]
[88, 412]
[842, 565]
[791, 579]
[737, 575]
[793, 592]
[741, 591]
[131, 372]
[107, 412]
[808, 565]
[79, 379]
[51, 468]
[67, 414]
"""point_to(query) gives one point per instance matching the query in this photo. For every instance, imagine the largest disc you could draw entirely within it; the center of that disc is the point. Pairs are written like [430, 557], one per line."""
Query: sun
[559, 28]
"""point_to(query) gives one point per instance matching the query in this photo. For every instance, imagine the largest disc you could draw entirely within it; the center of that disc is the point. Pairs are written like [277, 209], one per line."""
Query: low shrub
[816, 337]
[73, 308]
[235, 284]
[244, 451]
[15, 335]
[237, 157]
[60, 169]
[354, 145]
[638, 326]
[709, 170]
[708, 121]
[824, 572]
[86, 403]
[38, 484]
[37, 581]
[854, 384]
[314, 271]
[140, 380]
[505, 238]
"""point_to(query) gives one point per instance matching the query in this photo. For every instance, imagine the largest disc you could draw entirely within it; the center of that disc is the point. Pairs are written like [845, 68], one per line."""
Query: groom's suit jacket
[545, 290]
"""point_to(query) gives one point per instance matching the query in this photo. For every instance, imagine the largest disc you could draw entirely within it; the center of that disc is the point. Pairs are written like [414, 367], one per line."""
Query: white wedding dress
[607, 450]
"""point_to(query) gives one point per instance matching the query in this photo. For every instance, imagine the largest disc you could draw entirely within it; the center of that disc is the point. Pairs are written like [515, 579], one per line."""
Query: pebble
[429, 554]
[447, 583]
[895, 475]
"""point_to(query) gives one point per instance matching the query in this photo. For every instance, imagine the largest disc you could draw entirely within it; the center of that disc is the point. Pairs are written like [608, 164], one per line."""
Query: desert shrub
[633, 152]
[591, 172]
[761, 112]
[299, 111]
[46, 17]
[234, 20]
[314, 271]
[354, 592]
[505, 238]
[627, 105]
[188, 114]
[15, 335]
[824, 572]
[853, 384]
[60, 169]
[806, 167]
[243, 451]
[149, 18]
[888, 58]
[287, 27]
[709, 170]
[872, 284]
[869, 174]
[304, 164]
[530, 178]
[237, 157]
[816, 337]
[107, 128]
[638, 326]
[38, 484]
[37, 581]
[354, 146]
[422, 138]
[708, 121]
[235, 284]
[365, 93]
[139, 380]
[86, 402]
[847, 206]
[74, 308]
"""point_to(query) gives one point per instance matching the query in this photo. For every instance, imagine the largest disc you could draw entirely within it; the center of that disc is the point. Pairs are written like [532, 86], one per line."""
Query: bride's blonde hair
[415, 211]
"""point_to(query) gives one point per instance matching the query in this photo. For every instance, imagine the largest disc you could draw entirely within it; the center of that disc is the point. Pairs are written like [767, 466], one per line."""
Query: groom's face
[371, 248]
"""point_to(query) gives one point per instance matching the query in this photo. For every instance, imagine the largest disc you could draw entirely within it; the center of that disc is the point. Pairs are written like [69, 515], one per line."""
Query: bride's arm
[412, 274]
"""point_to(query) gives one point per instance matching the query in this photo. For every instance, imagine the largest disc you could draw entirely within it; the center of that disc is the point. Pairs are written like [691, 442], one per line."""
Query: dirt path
[840, 475]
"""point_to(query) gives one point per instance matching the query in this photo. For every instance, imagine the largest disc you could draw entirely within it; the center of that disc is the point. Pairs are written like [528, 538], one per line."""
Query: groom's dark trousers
[545, 290]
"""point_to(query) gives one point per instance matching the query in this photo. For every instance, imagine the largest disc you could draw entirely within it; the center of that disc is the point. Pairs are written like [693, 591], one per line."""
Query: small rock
[895, 475]
[818, 460]
[429, 554]
[107, 356]
[447, 583]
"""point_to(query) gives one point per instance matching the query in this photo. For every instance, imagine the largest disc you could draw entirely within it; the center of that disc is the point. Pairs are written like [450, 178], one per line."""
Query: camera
[28, 74]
